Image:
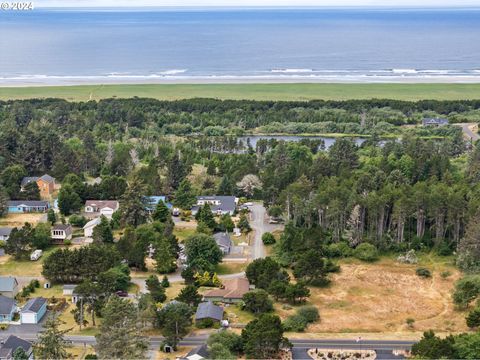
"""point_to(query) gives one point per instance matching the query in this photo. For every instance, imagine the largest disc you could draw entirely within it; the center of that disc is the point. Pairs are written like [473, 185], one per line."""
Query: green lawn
[250, 91]
[10, 266]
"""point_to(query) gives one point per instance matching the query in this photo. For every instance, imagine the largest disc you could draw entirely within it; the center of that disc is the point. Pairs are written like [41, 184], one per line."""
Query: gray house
[12, 343]
[5, 233]
[434, 122]
[8, 286]
[207, 310]
[7, 308]
[224, 242]
[220, 205]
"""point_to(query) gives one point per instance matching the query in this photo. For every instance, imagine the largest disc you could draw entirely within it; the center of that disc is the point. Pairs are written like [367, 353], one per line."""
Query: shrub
[309, 313]
[366, 252]
[339, 250]
[473, 318]
[423, 272]
[77, 220]
[205, 323]
[295, 323]
[445, 274]
[67, 242]
[268, 239]
[410, 322]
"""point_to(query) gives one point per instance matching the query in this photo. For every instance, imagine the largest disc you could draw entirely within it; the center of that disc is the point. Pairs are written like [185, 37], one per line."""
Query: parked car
[121, 293]
[34, 256]
[176, 212]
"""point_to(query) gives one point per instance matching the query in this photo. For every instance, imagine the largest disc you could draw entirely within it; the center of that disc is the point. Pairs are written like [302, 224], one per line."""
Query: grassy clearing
[9, 266]
[226, 268]
[249, 91]
[183, 232]
[18, 220]
[70, 324]
[379, 297]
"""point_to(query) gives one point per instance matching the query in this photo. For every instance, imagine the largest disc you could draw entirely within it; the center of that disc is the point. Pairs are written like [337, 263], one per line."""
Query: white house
[88, 228]
[62, 232]
[101, 207]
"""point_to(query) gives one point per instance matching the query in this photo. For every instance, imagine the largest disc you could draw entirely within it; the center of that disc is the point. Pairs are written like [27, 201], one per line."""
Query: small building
[231, 292]
[62, 232]
[220, 205]
[101, 207]
[224, 242]
[88, 227]
[27, 206]
[434, 122]
[68, 289]
[5, 233]
[198, 353]
[152, 202]
[33, 311]
[12, 344]
[7, 308]
[8, 286]
[45, 183]
[207, 310]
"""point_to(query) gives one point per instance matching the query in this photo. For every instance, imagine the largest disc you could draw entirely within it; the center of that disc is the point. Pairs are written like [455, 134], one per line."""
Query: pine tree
[184, 197]
[165, 283]
[189, 295]
[166, 262]
[135, 204]
[119, 336]
[102, 233]
[51, 342]
[468, 258]
[155, 288]
[161, 213]
[51, 216]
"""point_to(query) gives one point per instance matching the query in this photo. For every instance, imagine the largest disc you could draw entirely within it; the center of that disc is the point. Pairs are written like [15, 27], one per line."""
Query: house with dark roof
[27, 206]
[5, 233]
[13, 343]
[224, 242]
[45, 183]
[7, 308]
[231, 292]
[434, 122]
[209, 311]
[61, 232]
[8, 286]
[198, 353]
[95, 208]
[220, 205]
[33, 311]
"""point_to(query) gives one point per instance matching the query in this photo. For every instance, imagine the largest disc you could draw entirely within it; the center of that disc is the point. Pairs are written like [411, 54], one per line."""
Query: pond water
[329, 141]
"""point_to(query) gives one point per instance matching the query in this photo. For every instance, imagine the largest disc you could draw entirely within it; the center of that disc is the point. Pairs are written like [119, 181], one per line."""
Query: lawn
[249, 91]
[9, 266]
[70, 324]
[182, 232]
[379, 297]
[18, 220]
[226, 268]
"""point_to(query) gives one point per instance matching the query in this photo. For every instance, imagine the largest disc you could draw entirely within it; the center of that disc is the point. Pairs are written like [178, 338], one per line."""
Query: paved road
[467, 132]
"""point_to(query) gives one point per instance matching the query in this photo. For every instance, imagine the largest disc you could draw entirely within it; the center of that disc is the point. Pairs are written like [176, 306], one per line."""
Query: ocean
[353, 45]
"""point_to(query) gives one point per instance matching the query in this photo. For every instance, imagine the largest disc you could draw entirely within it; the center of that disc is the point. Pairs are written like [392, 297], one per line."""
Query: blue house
[33, 311]
[154, 200]
[7, 308]
[27, 206]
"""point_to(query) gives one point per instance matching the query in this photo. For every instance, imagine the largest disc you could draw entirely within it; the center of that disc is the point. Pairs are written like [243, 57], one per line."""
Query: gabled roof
[232, 289]
[223, 239]
[28, 203]
[200, 351]
[7, 283]
[6, 305]
[34, 305]
[28, 179]
[47, 178]
[14, 343]
[65, 227]
[69, 287]
[92, 223]
[5, 231]
[227, 203]
[101, 204]
[207, 310]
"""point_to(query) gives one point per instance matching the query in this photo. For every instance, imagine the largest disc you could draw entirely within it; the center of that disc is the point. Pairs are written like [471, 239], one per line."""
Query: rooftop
[112, 204]
[34, 305]
[14, 343]
[5, 231]
[6, 305]
[7, 283]
[223, 239]
[35, 203]
[207, 310]
[232, 288]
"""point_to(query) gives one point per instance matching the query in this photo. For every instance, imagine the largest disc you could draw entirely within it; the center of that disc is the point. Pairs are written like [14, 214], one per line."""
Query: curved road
[468, 133]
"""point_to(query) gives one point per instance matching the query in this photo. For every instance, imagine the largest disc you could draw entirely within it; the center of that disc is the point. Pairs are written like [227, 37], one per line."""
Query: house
[68, 289]
[231, 292]
[8, 348]
[27, 206]
[5, 233]
[434, 122]
[33, 311]
[152, 202]
[224, 242]
[7, 308]
[101, 207]
[62, 232]
[220, 205]
[198, 353]
[45, 183]
[8, 286]
[207, 310]
[88, 227]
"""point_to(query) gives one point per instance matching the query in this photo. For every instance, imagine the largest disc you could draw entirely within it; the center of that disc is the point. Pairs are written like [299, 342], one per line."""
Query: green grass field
[250, 91]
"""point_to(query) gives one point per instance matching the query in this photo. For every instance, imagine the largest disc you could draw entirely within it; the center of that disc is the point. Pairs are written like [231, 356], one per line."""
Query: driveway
[467, 131]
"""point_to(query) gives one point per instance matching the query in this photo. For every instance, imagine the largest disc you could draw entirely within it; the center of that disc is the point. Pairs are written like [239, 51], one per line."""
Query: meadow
[300, 92]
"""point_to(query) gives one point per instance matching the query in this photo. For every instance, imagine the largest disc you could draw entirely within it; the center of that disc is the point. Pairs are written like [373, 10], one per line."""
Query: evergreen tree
[51, 216]
[189, 295]
[102, 233]
[31, 191]
[134, 204]
[243, 224]
[18, 244]
[68, 200]
[51, 343]
[177, 171]
[226, 186]
[205, 216]
[165, 283]
[161, 213]
[165, 260]
[3, 201]
[468, 258]
[155, 288]
[184, 196]
[119, 336]
[175, 319]
[226, 223]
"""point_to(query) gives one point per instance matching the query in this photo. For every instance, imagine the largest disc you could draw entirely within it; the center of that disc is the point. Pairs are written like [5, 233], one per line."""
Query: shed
[207, 310]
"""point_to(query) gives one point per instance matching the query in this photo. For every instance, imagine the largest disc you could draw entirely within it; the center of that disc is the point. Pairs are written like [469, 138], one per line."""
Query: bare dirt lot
[18, 220]
[379, 297]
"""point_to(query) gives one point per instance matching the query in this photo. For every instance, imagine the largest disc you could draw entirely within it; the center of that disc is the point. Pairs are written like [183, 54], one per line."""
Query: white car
[248, 204]
[34, 256]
